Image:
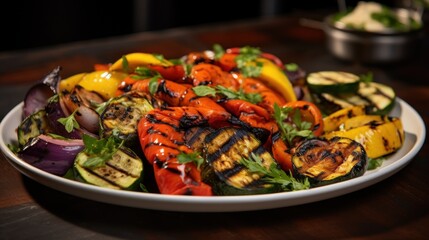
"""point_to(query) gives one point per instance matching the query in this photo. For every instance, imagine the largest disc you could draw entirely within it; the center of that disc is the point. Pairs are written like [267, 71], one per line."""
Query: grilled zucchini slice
[333, 82]
[123, 171]
[32, 126]
[224, 149]
[378, 98]
[325, 162]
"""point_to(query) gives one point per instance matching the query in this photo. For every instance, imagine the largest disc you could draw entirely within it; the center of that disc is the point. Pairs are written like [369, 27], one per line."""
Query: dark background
[36, 24]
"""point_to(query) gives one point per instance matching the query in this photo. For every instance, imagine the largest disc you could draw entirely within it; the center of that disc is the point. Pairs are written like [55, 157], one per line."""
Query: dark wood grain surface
[396, 208]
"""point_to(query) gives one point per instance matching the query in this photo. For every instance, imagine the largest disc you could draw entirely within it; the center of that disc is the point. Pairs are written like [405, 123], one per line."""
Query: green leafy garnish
[366, 78]
[160, 57]
[273, 174]
[69, 122]
[374, 163]
[153, 85]
[292, 67]
[100, 107]
[100, 150]
[218, 51]
[143, 188]
[388, 18]
[145, 73]
[54, 98]
[194, 157]
[125, 66]
[247, 61]
[201, 91]
[290, 124]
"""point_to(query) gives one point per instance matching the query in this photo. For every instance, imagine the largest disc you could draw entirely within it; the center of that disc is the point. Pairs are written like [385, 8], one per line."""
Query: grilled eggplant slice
[122, 114]
[329, 161]
[224, 149]
[123, 171]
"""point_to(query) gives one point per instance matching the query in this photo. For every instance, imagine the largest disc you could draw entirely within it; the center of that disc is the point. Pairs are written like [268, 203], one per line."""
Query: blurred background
[36, 24]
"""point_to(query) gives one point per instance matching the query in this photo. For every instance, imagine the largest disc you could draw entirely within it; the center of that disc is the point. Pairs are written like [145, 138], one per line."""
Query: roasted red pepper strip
[175, 73]
[161, 133]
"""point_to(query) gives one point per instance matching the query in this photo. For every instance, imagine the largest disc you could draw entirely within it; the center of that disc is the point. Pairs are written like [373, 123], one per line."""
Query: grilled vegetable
[32, 126]
[334, 120]
[333, 82]
[378, 138]
[379, 99]
[122, 114]
[223, 171]
[37, 96]
[123, 170]
[52, 155]
[329, 161]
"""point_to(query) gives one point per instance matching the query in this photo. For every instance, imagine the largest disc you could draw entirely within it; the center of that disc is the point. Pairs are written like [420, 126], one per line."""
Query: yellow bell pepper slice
[274, 77]
[378, 140]
[104, 83]
[139, 59]
[333, 121]
[69, 83]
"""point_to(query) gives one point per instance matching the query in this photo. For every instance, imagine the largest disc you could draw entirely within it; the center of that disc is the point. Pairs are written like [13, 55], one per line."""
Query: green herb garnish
[247, 61]
[292, 67]
[125, 65]
[290, 124]
[201, 91]
[218, 51]
[69, 122]
[273, 174]
[194, 157]
[100, 150]
[366, 78]
[374, 163]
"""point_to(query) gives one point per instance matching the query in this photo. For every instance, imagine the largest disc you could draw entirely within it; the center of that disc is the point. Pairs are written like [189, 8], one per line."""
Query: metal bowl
[371, 47]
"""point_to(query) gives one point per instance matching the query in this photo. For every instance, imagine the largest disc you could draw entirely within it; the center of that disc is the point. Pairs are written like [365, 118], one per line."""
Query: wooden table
[396, 208]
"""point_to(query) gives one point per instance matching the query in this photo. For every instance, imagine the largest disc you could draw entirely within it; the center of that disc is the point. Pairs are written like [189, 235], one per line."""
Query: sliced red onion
[52, 155]
[36, 99]
[38, 95]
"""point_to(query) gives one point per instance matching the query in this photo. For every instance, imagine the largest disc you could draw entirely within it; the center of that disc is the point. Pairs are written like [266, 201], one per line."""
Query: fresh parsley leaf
[153, 85]
[54, 98]
[125, 65]
[290, 124]
[204, 91]
[374, 163]
[100, 150]
[194, 157]
[229, 93]
[160, 57]
[291, 67]
[247, 61]
[100, 107]
[69, 122]
[218, 51]
[273, 174]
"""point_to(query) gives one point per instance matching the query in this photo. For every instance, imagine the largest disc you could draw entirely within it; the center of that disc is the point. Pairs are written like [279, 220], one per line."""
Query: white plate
[414, 138]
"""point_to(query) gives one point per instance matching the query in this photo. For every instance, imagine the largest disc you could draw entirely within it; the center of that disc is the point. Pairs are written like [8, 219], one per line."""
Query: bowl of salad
[374, 33]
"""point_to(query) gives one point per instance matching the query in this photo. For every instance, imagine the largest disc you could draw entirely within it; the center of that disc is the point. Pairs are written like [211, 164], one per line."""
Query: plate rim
[181, 203]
